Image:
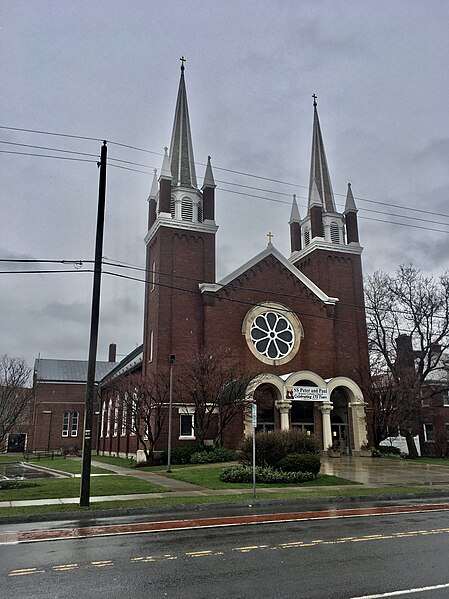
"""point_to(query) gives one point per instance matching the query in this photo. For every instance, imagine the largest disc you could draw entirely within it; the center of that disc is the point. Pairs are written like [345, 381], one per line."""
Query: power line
[48, 156]
[242, 173]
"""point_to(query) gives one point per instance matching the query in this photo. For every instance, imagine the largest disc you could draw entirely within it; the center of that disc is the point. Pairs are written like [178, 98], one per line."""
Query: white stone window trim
[187, 411]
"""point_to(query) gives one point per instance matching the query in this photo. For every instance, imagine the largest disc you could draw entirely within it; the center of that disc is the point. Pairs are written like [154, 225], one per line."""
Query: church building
[298, 321]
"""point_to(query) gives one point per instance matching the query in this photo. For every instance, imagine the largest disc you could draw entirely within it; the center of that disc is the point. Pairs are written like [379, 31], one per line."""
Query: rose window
[272, 335]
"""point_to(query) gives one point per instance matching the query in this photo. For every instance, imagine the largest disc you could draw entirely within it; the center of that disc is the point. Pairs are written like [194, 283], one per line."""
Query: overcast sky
[110, 70]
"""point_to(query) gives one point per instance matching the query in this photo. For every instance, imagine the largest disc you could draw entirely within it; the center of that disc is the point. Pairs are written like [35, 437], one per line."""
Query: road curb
[181, 509]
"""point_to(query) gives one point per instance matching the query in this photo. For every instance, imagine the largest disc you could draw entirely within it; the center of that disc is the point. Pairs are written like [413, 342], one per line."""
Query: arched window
[103, 419]
[75, 419]
[65, 424]
[116, 416]
[108, 425]
[124, 418]
[335, 233]
[306, 236]
[187, 209]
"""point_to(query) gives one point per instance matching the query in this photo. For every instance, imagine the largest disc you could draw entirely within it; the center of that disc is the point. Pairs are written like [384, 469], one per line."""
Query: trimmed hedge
[272, 447]
[219, 454]
[300, 462]
[244, 474]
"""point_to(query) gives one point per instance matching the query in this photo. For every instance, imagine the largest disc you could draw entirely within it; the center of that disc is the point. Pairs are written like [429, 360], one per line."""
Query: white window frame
[115, 428]
[124, 418]
[153, 275]
[108, 426]
[187, 412]
[65, 424]
[103, 419]
[75, 423]
[133, 415]
[426, 433]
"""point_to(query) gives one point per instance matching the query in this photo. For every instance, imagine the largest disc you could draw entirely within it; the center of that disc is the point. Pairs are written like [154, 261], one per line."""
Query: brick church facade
[297, 321]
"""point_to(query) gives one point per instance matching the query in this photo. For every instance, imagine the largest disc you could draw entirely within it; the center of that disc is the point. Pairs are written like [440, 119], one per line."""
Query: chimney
[112, 352]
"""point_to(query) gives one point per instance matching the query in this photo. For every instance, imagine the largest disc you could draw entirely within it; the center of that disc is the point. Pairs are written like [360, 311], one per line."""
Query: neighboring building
[434, 429]
[60, 393]
[298, 321]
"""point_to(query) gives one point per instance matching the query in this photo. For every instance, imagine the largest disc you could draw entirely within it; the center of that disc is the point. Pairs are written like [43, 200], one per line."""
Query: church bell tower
[180, 248]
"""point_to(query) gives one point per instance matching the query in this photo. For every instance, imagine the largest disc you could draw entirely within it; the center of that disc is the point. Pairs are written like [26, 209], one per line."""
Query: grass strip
[218, 499]
[54, 488]
[209, 478]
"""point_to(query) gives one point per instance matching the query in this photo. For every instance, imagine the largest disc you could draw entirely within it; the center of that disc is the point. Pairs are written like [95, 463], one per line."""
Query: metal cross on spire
[314, 96]
[183, 60]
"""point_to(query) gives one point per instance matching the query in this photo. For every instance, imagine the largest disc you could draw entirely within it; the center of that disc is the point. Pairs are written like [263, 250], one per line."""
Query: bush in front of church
[267, 475]
[214, 456]
[272, 447]
[300, 462]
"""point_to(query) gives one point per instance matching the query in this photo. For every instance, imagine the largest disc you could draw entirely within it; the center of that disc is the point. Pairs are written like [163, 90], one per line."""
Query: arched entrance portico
[338, 415]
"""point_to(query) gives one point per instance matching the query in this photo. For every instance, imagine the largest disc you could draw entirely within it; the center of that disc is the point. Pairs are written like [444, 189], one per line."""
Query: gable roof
[68, 371]
[270, 250]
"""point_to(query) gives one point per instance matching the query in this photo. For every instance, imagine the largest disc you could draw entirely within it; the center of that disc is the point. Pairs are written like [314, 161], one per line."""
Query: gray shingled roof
[73, 371]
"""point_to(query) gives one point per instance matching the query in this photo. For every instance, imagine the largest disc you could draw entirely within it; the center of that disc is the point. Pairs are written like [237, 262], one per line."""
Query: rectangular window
[445, 395]
[447, 433]
[150, 348]
[153, 275]
[65, 424]
[74, 430]
[186, 426]
[115, 418]
[429, 433]
[124, 418]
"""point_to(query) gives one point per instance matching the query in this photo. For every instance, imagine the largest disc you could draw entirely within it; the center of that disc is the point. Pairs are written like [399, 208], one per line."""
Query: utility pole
[90, 387]
[171, 360]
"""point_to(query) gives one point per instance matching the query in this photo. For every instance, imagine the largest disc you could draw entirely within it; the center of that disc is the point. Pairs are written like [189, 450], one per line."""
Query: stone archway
[356, 410]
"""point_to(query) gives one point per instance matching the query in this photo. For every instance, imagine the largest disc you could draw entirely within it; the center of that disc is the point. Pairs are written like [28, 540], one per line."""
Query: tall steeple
[320, 187]
[182, 163]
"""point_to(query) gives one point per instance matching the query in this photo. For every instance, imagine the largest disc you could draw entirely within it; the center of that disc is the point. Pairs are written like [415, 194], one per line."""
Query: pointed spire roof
[209, 180]
[165, 170]
[181, 149]
[320, 187]
[350, 203]
[154, 186]
[294, 214]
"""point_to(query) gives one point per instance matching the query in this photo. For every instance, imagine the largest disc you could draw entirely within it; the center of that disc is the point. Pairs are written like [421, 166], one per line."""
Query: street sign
[254, 414]
[306, 393]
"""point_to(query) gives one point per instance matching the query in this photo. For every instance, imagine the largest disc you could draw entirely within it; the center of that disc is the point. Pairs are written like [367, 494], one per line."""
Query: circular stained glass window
[272, 335]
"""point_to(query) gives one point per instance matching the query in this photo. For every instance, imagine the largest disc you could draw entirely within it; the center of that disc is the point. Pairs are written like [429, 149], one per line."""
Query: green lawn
[53, 488]
[110, 459]
[209, 477]
[241, 497]
[70, 465]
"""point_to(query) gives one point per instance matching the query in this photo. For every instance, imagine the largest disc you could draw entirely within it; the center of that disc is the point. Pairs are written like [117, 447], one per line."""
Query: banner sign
[254, 414]
[306, 393]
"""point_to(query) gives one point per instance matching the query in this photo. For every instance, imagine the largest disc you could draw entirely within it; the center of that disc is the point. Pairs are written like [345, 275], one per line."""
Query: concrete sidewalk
[367, 472]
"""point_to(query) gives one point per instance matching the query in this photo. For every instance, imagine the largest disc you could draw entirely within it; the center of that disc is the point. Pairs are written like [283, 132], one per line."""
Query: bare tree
[143, 404]
[408, 330]
[214, 387]
[15, 394]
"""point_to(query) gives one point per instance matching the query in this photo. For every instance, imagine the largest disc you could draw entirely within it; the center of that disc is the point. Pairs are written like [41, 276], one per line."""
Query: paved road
[329, 558]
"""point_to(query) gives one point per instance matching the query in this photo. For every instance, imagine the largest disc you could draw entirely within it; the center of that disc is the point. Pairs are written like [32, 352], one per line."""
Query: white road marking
[404, 592]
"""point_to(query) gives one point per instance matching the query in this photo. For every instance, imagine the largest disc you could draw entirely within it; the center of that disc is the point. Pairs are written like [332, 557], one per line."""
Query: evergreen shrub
[272, 447]
[244, 474]
[300, 462]
[219, 454]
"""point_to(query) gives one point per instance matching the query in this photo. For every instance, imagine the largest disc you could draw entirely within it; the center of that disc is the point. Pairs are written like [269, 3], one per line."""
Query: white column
[284, 408]
[326, 409]
[358, 423]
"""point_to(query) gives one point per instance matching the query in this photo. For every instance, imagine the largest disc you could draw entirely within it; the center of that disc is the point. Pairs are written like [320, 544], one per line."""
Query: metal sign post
[254, 420]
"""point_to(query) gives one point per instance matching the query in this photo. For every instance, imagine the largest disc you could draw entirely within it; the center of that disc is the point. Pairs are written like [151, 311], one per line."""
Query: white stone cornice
[164, 219]
[271, 250]
[318, 243]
